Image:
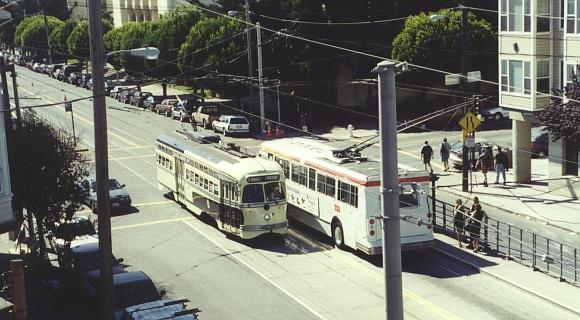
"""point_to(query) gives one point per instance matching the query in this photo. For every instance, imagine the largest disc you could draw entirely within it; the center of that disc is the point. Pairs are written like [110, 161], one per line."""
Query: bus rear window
[409, 196]
[253, 193]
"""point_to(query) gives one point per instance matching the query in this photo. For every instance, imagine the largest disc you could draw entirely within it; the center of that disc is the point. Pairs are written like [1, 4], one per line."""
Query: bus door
[179, 183]
[229, 214]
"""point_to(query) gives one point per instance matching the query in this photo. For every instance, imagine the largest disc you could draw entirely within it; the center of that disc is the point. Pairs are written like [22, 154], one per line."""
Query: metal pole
[463, 85]
[101, 159]
[389, 191]
[72, 119]
[250, 60]
[16, 99]
[260, 78]
[279, 116]
[46, 31]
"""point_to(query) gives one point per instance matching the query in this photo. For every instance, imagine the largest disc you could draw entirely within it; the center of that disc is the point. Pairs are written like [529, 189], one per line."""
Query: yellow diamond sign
[469, 122]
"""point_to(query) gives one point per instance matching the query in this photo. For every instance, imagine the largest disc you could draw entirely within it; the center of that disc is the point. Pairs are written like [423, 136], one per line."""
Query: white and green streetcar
[243, 193]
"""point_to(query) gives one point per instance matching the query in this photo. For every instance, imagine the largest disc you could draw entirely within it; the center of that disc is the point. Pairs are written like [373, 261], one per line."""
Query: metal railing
[526, 247]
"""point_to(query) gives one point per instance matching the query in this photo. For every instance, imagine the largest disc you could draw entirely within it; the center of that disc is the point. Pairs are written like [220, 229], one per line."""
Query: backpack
[443, 149]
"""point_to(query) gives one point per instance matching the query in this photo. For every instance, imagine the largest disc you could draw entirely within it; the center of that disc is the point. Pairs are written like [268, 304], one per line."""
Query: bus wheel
[338, 234]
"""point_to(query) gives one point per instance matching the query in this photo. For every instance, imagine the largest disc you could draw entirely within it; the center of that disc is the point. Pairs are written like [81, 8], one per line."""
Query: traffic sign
[469, 122]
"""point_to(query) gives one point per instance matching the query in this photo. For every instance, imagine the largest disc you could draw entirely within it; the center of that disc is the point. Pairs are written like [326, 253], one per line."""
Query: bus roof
[228, 164]
[319, 155]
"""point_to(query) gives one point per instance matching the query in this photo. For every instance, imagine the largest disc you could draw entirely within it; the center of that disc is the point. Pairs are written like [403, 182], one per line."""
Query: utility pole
[106, 297]
[250, 60]
[46, 30]
[260, 78]
[390, 191]
[463, 85]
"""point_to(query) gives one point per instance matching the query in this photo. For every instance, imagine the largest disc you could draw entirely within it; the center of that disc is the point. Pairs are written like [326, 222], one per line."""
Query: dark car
[130, 289]
[85, 80]
[138, 97]
[126, 94]
[65, 71]
[540, 144]
[119, 197]
[151, 102]
[74, 78]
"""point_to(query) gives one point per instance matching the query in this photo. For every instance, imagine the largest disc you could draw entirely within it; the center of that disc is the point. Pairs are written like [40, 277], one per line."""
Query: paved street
[299, 277]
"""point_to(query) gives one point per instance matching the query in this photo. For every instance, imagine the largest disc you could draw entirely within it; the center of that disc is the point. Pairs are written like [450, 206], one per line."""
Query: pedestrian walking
[501, 165]
[426, 155]
[459, 214]
[193, 123]
[445, 150]
[474, 226]
[485, 163]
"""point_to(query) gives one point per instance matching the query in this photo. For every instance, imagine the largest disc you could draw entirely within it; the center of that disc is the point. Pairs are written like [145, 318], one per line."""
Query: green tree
[220, 34]
[34, 35]
[131, 35]
[22, 26]
[45, 178]
[78, 41]
[59, 35]
[430, 43]
[170, 33]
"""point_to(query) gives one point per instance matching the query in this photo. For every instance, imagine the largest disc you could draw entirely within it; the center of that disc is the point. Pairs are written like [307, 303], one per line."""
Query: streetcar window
[227, 191]
[299, 174]
[285, 164]
[311, 179]
[253, 193]
[274, 191]
[348, 193]
[326, 185]
[408, 196]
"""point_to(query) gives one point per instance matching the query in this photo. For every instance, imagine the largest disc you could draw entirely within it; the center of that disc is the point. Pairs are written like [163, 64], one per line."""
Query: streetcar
[244, 194]
[335, 190]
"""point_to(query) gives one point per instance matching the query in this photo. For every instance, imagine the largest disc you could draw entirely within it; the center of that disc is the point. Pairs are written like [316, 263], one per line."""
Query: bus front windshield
[253, 193]
[274, 191]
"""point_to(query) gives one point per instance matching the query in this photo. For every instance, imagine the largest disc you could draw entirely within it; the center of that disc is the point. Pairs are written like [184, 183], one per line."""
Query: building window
[348, 193]
[570, 69]
[517, 75]
[516, 15]
[504, 15]
[543, 77]
[543, 16]
[571, 17]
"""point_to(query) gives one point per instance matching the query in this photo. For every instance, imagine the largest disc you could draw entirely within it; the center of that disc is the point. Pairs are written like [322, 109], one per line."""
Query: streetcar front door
[179, 180]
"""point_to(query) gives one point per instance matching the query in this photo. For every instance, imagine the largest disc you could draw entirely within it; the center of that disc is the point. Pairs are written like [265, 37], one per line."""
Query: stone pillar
[521, 154]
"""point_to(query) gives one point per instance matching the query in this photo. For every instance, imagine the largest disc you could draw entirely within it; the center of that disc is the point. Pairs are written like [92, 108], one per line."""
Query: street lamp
[149, 53]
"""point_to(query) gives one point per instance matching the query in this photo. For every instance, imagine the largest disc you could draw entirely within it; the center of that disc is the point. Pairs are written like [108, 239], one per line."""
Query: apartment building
[141, 10]
[539, 48]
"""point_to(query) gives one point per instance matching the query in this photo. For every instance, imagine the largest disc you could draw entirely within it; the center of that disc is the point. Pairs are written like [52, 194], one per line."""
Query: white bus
[244, 194]
[340, 196]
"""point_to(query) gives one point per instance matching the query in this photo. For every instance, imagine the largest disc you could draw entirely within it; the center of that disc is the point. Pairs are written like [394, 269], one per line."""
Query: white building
[141, 10]
[539, 47]
[79, 8]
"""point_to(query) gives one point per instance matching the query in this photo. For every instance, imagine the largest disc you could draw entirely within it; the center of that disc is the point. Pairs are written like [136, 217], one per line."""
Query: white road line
[261, 275]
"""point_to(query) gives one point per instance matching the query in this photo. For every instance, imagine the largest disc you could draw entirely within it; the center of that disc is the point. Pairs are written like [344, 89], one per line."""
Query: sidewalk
[514, 274]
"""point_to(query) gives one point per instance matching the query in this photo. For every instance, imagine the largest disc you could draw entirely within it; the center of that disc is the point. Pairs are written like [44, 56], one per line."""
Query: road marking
[261, 275]
[128, 148]
[150, 223]
[83, 119]
[419, 158]
[127, 157]
[406, 292]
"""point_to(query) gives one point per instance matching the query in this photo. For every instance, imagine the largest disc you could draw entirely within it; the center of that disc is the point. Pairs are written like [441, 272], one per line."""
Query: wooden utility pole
[106, 297]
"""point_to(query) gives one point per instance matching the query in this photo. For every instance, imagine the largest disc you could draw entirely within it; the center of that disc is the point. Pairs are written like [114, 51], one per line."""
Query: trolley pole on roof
[390, 191]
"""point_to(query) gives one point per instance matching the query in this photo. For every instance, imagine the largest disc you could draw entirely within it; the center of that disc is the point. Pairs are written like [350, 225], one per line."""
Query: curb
[539, 220]
[512, 283]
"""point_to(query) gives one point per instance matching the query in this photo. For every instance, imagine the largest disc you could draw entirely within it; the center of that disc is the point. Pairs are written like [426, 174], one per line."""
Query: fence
[531, 249]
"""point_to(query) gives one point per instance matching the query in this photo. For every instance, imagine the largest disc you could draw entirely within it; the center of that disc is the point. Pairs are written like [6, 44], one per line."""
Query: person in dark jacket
[426, 155]
[459, 213]
[501, 165]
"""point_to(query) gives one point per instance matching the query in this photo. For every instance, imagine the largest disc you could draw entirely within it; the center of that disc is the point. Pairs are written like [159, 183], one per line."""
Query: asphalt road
[298, 277]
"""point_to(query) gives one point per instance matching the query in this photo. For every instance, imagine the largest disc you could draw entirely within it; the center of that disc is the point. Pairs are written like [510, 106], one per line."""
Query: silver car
[119, 196]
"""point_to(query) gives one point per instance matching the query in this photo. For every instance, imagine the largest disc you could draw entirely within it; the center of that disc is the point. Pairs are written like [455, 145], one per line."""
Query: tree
[170, 33]
[60, 34]
[562, 119]
[429, 43]
[45, 178]
[78, 41]
[130, 36]
[34, 34]
[220, 34]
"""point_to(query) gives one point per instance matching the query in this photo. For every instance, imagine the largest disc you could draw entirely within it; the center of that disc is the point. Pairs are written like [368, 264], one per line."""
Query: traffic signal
[476, 104]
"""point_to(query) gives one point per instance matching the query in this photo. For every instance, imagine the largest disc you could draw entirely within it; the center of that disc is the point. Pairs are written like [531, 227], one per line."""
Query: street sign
[469, 122]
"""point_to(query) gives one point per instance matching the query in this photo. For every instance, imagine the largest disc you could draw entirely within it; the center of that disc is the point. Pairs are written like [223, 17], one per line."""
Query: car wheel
[498, 116]
[167, 114]
[338, 234]
[225, 132]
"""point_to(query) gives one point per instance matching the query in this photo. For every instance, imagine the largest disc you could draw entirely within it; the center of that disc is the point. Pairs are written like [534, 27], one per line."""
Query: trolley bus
[244, 194]
[335, 190]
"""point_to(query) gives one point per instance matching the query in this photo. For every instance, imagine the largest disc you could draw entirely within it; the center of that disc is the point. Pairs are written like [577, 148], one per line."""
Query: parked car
[56, 70]
[150, 103]
[85, 81]
[125, 95]
[119, 196]
[179, 112]
[65, 71]
[205, 115]
[74, 78]
[160, 309]
[539, 143]
[78, 230]
[494, 113]
[138, 97]
[115, 91]
[231, 124]
[165, 106]
[36, 67]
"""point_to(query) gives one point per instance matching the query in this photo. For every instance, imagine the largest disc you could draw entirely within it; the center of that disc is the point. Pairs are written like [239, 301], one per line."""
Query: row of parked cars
[206, 113]
[136, 297]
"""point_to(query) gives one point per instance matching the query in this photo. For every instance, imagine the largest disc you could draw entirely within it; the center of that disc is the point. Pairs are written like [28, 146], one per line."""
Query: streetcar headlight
[267, 217]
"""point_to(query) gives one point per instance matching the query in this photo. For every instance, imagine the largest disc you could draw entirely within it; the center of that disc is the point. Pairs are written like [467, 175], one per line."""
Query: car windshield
[274, 191]
[238, 121]
[135, 293]
[113, 185]
[253, 193]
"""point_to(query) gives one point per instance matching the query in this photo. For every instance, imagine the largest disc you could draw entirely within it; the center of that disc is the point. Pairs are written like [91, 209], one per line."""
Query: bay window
[543, 16]
[516, 15]
[516, 76]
